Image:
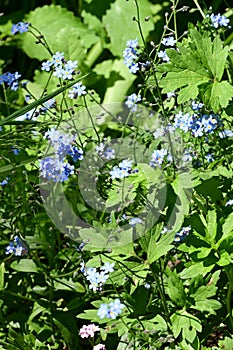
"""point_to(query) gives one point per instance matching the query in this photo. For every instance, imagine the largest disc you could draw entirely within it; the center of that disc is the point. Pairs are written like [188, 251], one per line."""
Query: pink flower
[88, 331]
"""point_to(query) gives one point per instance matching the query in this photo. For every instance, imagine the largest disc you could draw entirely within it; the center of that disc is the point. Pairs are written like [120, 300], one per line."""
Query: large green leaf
[63, 32]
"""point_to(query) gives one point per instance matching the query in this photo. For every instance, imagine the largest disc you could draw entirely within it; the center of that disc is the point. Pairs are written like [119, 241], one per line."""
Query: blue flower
[130, 55]
[209, 157]
[76, 154]
[55, 169]
[17, 247]
[103, 311]
[5, 181]
[108, 267]
[11, 79]
[20, 27]
[46, 65]
[123, 170]
[58, 59]
[158, 156]
[134, 221]
[196, 106]
[180, 236]
[77, 90]
[163, 55]
[219, 21]
[169, 41]
[111, 310]
[132, 100]
[225, 133]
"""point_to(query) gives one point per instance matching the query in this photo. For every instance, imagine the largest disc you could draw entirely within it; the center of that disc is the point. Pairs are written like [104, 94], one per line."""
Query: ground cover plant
[116, 172]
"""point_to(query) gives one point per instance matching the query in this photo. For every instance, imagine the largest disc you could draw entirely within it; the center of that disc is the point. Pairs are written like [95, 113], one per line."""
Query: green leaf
[217, 94]
[175, 288]
[63, 32]
[64, 284]
[227, 229]
[198, 268]
[211, 229]
[198, 67]
[158, 248]
[127, 29]
[187, 324]
[225, 258]
[24, 265]
[182, 187]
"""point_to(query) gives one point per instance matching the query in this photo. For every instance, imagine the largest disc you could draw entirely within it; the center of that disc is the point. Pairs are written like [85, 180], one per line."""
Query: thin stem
[199, 8]
[174, 16]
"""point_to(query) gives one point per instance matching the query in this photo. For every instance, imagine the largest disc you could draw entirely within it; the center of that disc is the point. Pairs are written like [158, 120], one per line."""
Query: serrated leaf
[198, 66]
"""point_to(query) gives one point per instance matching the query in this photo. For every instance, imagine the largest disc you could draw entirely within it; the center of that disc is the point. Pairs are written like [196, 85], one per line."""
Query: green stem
[199, 8]
[229, 296]
[162, 296]
[157, 85]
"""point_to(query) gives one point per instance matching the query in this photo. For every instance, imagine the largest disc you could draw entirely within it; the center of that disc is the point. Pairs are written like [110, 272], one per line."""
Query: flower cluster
[77, 90]
[132, 100]
[130, 55]
[198, 125]
[17, 247]
[124, 169]
[57, 168]
[158, 157]
[111, 310]
[108, 153]
[88, 331]
[11, 79]
[63, 144]
[219, 21]
[20, 27]
[169, 41]
[61, 68]
[180, 236]
[96, 278]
